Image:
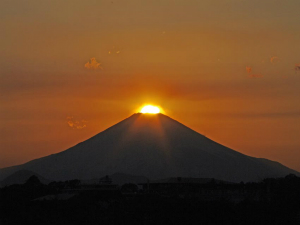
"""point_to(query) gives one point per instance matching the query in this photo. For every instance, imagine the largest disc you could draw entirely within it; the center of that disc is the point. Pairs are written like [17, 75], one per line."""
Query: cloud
[297, 67]
[274, 59]
[249, 69]
[114, 50]
[255, 75]
[93, 64]
[76, 124]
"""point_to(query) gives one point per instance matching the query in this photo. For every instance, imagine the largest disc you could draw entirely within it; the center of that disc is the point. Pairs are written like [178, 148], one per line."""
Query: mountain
[154, 146]
[20, 177]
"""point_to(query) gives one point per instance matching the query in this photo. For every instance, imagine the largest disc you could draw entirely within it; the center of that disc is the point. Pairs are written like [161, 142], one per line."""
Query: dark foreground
[273, 201]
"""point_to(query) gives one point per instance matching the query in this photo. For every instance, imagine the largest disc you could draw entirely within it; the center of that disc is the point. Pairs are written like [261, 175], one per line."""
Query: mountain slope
[154, 146]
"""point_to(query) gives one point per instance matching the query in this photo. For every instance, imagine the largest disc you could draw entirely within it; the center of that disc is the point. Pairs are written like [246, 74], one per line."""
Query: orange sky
[225, 68]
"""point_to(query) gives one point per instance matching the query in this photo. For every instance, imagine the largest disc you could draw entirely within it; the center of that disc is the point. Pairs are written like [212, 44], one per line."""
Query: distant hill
[188, 180]
[20, 177]
[119, 179]
[153, 146]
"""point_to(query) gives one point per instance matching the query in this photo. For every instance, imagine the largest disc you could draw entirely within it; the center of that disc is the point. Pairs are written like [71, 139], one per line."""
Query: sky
[229, 69]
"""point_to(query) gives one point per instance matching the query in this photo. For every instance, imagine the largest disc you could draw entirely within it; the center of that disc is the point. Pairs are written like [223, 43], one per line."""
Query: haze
[229, 69]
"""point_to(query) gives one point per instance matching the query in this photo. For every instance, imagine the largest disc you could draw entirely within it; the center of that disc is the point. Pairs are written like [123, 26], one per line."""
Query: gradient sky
[229, 69]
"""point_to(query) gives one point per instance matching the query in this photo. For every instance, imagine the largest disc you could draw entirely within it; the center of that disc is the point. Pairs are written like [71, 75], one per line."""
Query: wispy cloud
[114, 50]
[249, 69]
[93, 64]
[274, 59]
[75, 123]
[297, 67]
[251, 75]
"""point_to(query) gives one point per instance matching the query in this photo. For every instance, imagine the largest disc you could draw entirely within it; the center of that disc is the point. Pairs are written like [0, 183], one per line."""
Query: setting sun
[150, 109]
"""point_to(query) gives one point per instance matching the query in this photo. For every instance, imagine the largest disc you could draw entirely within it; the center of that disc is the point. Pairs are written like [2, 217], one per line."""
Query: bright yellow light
[150, 109]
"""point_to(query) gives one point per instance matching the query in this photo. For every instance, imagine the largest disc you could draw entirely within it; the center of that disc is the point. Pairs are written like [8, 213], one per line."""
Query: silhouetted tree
[105, 180]
[129, 188]
[33, 181]
[73, 183]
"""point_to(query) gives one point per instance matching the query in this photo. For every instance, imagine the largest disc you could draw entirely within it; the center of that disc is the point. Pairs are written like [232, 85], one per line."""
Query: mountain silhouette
[20, 177]
[154, 146]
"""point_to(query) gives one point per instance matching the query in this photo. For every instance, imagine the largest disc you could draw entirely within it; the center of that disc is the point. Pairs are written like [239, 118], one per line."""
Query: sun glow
[150, 109]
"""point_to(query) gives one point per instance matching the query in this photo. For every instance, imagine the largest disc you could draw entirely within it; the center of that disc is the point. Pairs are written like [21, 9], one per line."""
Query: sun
[150, 109]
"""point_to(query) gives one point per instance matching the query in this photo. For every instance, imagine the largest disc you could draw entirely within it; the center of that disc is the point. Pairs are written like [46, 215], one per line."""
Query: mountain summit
[155, 146]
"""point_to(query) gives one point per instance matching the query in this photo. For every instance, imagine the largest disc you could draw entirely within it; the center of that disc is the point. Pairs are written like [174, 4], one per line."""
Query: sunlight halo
[150, 109]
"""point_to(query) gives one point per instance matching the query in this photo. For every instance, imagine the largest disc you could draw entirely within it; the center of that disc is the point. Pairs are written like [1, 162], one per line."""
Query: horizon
[229, 70]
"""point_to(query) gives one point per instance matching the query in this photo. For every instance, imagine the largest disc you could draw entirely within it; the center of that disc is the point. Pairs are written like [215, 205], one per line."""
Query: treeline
[278, 203]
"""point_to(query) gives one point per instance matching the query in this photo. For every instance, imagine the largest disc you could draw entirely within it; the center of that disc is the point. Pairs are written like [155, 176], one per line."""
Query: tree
[33, 181]
[129, 188]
